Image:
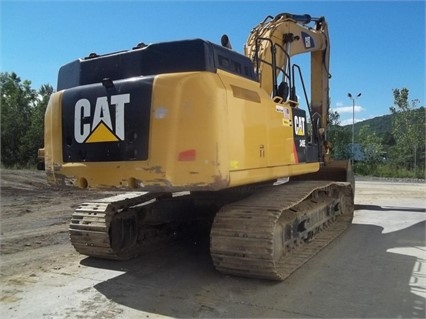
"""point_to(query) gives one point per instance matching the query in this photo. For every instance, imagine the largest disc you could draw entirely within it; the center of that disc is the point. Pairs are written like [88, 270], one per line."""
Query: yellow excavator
[194, 132]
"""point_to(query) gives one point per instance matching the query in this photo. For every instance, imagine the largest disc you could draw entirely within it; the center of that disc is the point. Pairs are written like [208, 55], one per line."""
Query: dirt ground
[34, 221]
[181, 282]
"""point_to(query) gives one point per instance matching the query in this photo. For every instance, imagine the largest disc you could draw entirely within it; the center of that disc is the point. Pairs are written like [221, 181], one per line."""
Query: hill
[382, 125]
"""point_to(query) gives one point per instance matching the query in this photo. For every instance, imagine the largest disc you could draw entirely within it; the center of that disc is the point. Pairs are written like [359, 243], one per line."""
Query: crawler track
[273, 232]
[109, 228]
[266, 235]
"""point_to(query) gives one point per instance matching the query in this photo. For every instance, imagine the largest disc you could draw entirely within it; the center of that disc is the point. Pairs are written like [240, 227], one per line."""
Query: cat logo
[299, 125]
[100, 128]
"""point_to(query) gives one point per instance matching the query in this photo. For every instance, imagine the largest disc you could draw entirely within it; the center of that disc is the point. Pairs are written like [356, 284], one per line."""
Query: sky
[376, 46]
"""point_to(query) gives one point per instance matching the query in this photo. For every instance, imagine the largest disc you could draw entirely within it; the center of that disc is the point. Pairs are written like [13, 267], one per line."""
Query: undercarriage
[266, 232]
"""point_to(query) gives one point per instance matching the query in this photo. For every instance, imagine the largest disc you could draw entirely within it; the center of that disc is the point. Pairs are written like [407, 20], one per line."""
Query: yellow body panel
[208, 131]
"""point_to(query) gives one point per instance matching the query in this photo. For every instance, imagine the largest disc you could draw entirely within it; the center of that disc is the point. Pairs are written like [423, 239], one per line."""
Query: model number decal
[308, 41]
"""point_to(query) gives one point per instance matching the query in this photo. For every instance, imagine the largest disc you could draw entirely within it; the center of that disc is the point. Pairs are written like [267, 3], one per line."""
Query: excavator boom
[273, 43]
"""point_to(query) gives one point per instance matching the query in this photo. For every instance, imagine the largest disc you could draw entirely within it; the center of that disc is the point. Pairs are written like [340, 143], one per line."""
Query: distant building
[359, 153]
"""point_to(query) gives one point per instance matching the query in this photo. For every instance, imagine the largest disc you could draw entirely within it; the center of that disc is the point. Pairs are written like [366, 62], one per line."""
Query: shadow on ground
[353, 277]
[389, 208]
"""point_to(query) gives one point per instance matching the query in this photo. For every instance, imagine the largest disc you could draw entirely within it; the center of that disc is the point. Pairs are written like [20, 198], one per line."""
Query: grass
[388, 170]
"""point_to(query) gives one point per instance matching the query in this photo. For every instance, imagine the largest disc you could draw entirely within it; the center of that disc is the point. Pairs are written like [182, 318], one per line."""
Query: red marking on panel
[296, 157]
[188, 155]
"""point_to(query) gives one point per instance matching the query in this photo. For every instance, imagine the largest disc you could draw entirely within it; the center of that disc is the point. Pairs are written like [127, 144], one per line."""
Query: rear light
[187, 155]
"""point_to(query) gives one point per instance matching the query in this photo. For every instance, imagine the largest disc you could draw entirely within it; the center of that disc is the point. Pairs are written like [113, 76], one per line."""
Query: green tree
[408, 128]
[34, 138]
[22, 114]
[388, 140]
[372, 149]
[339, 137]
[334, 118]
[16, 100]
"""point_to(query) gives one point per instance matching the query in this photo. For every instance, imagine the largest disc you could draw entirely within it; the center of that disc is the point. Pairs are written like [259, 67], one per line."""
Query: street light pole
[353, 122]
